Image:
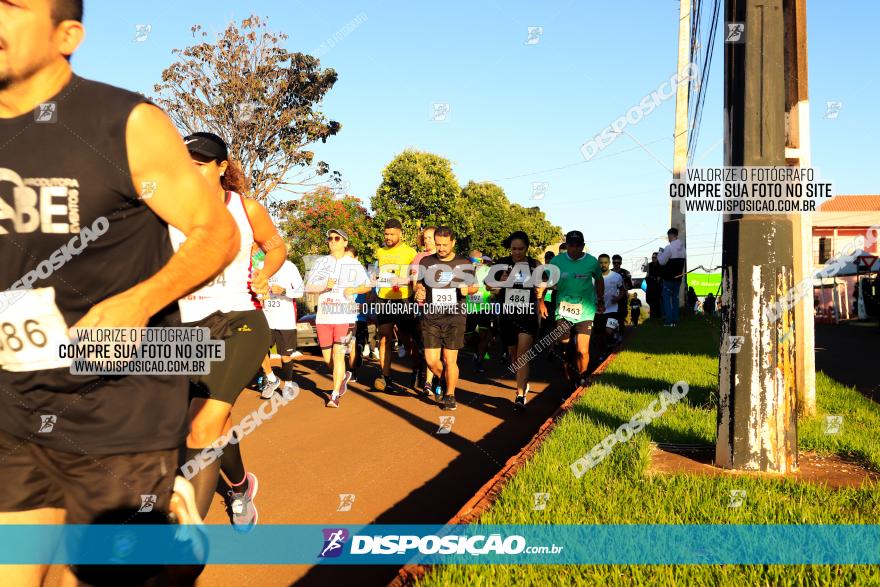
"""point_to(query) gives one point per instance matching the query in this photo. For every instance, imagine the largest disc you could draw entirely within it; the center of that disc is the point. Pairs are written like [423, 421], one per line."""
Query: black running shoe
[449, 403]
[520, 403]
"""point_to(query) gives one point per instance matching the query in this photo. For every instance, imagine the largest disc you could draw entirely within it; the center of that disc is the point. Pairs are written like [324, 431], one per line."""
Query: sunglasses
[335, 237]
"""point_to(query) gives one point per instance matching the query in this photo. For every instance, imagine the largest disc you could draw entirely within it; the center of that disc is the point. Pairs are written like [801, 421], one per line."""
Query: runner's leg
[582, 352]
[450, 357]
[29, 575]
[524, 342]
[208, 418]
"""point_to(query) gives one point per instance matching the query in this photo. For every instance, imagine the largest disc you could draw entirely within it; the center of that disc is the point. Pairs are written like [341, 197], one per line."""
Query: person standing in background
[672, 260]
[654, 288]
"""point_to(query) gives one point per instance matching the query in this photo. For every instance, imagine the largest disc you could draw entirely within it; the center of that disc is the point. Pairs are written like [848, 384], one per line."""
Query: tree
[488, 216]
[542, 233]
[492, 218]
[420, 189]
[262, 99]
[304, 223]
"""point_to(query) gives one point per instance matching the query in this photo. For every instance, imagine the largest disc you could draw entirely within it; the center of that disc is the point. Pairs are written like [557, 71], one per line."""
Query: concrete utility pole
[797, 153]
[757, 420]
[679, 161]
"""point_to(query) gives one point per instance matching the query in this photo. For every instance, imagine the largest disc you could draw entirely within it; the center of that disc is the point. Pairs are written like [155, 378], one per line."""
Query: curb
[488, 493]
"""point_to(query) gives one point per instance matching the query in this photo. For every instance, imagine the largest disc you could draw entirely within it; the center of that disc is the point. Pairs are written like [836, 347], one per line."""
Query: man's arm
[600, 293]
[183, 199]
[664, 255]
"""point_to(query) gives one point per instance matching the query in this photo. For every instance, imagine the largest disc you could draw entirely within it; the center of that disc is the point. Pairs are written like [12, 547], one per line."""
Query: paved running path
[847, 353]
[383, 448]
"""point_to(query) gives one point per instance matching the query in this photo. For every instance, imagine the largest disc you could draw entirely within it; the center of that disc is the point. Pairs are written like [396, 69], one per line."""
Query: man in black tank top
[74, 158]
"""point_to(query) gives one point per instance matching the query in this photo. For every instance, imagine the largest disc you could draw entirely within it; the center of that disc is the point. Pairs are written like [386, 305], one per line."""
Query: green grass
[617, 492]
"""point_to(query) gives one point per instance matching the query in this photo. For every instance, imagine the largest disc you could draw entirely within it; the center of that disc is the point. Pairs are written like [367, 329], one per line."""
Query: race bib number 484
[516, 297]
[32, 331]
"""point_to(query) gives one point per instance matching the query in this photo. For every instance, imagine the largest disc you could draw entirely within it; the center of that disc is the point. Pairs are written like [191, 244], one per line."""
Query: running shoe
[333, 402]
[269, 390]
[244, 512]
[344, 387]
[478, 365]
[520, 403]
[449, 403]
[295, 355]
[380, 383]
[290, 390]
[427, 389]
[438, 390]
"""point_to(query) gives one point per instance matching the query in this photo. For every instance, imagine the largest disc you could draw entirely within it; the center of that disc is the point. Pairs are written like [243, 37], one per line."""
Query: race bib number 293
[32, 330]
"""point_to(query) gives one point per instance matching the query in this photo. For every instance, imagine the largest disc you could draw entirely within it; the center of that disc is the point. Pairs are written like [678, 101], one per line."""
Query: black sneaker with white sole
[449, 403]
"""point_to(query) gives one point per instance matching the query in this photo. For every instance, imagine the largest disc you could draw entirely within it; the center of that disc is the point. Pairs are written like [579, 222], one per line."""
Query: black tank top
[62, 167]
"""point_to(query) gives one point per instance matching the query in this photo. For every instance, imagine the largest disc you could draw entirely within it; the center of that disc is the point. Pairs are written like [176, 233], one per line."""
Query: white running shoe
[295, 355]
[270, 388]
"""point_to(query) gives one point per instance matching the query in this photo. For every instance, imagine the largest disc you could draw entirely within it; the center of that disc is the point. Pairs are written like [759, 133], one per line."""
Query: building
[837, 223]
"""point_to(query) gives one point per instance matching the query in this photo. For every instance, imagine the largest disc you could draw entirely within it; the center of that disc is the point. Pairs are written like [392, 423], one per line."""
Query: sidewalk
[384, 449]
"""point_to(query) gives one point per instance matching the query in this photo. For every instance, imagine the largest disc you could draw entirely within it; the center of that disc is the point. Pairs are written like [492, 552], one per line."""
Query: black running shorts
[245, 349]
[447, 334]
[512, 326]
[108, 488]
[285, 341]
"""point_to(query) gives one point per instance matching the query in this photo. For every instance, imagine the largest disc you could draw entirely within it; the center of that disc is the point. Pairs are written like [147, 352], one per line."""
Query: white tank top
[230, 291]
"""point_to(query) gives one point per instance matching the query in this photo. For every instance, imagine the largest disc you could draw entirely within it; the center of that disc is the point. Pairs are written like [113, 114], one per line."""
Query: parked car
[306, 335]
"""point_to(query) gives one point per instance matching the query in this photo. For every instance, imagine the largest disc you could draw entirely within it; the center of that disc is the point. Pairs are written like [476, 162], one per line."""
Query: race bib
[476, 298]
[571, 311]
[443, 297]
[516, 297]
[272, 303]
[385, 280]
[32, 330]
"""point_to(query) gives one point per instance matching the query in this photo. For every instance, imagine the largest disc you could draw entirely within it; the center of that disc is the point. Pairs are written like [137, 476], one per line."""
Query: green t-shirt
[576, 297]
[479, 302]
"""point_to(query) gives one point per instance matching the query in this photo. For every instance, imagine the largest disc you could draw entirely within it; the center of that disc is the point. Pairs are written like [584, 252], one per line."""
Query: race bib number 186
[31, 331]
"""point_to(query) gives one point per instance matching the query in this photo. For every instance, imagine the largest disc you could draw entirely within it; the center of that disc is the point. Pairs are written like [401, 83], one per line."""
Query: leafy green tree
[542, 233]
[488, 215]
[261, 98]
[420, 189]
[304, 223]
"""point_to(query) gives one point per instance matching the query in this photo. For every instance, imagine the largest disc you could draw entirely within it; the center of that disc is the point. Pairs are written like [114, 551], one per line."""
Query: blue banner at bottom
[439, 544]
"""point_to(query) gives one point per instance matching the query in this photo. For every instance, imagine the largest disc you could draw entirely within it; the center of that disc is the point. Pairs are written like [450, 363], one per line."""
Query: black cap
[207, 144]
[575, 237]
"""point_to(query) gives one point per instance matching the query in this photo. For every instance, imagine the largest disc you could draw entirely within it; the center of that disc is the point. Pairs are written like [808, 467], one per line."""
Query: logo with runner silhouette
[334, 538]
[47, 423]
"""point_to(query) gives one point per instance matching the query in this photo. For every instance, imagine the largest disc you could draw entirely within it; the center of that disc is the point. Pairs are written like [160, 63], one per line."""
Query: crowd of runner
[193, 251]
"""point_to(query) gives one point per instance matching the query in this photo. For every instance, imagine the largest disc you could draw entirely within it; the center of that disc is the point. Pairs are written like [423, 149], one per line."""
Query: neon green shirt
[576, 296]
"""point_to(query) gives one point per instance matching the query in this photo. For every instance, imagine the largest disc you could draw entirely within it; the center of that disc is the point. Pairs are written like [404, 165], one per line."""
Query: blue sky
[519, 112]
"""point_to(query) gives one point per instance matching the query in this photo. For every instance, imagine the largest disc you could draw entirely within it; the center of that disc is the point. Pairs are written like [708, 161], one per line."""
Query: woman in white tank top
[229, 305]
